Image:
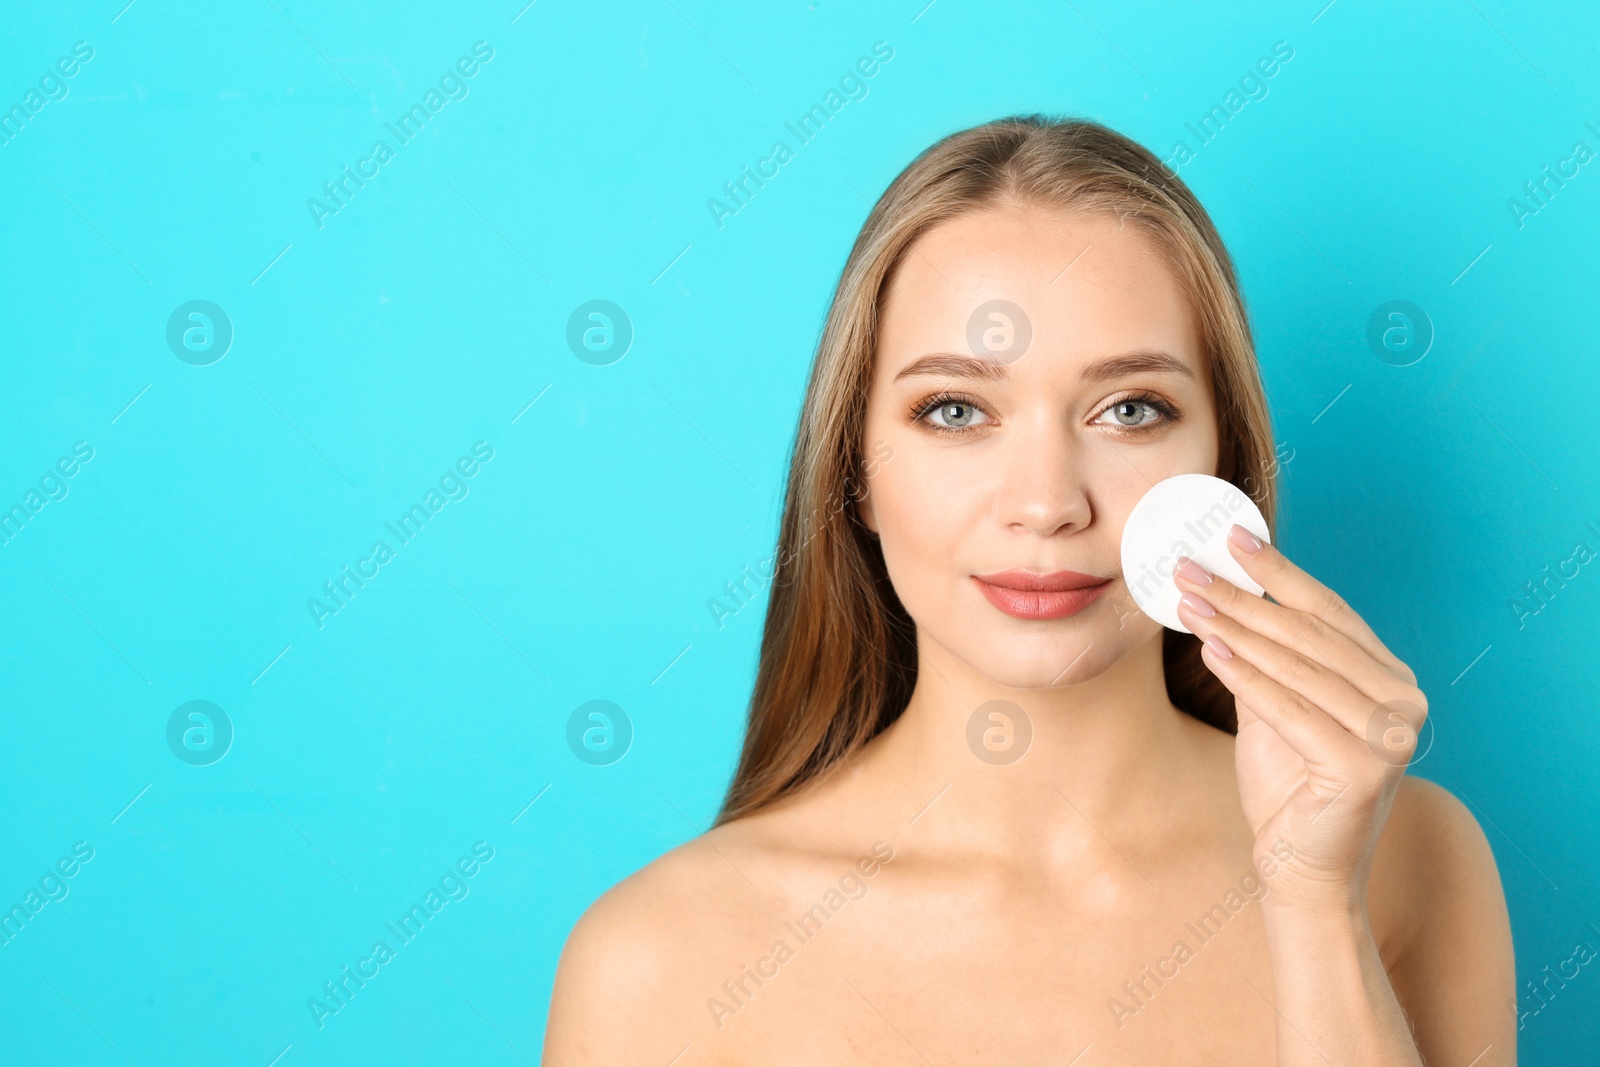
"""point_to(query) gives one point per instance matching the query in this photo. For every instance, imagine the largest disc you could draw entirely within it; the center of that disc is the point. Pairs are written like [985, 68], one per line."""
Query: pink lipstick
[1025, 595]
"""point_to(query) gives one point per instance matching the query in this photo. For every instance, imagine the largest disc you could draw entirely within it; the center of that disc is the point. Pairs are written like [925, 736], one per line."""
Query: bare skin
[1030, 912]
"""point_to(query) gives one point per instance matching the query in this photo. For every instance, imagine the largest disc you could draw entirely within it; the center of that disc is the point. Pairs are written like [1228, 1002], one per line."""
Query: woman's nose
[1042, 480]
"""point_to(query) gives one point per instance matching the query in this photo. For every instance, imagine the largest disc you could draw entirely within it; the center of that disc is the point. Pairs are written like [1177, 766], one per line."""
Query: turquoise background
[369, 755]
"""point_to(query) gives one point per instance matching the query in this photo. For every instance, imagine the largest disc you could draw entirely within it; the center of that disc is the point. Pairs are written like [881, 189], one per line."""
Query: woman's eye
[1133, 414]
[956, 414]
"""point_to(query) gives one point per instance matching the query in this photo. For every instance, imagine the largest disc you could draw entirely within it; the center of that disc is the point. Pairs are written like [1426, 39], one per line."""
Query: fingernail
[1193, 571]
[1244, 538]
[1198, 606]
[1218, 648]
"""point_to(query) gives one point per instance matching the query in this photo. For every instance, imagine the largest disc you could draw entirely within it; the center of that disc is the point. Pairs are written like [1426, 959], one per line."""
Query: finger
[1291, 669]
[1293, 588]
[1308, 635]
[1313, 734]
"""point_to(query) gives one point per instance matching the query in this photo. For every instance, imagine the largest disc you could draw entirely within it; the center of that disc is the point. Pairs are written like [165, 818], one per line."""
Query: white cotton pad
[1185, 515]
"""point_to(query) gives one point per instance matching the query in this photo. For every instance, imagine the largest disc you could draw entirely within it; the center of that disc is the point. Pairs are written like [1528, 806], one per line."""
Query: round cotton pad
[1185, 515]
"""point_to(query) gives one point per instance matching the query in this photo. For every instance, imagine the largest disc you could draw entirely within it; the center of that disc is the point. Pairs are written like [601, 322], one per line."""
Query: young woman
[989, 812]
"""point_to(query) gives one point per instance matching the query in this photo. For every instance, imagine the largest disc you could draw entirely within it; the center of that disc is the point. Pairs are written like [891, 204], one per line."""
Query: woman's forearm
[1333, 998]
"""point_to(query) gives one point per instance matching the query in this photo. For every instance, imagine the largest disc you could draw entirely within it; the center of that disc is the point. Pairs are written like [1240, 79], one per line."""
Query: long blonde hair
[838, 651]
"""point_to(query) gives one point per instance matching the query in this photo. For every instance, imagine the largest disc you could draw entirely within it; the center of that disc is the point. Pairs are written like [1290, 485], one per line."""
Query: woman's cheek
[925, 517]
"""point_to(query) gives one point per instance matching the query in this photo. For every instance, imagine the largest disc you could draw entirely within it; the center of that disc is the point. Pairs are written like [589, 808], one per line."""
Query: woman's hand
[1328, 720]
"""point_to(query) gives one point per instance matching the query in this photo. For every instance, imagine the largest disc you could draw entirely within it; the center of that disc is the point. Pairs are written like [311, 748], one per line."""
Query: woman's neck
[1109, 760]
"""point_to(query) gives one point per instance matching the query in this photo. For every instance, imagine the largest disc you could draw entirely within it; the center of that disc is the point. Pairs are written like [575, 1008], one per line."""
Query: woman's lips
[1024, 595]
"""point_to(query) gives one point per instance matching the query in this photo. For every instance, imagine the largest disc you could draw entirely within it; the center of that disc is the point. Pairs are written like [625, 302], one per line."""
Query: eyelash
[1170, 414]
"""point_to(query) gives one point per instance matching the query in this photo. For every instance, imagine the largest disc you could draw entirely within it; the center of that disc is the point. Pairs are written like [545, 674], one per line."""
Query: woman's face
[1024, 460]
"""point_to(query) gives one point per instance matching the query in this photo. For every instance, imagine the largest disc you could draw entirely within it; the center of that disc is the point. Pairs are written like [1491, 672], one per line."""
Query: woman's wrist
[1330, 922]
[1332, 927]
[1290, 904]
[1297, 896]
[1331, 988]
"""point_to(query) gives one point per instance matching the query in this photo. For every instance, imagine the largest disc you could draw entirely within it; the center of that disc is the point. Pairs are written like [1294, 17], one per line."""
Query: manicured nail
[1198, 606]
[1193, 571]
[1218, 648]
[1244, 538]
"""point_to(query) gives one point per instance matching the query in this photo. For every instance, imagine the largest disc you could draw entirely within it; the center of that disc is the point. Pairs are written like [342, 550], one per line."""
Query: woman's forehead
[1078, 287]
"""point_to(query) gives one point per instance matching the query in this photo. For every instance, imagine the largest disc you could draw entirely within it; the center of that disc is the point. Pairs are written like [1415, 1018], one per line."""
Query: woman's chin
[1042, 663]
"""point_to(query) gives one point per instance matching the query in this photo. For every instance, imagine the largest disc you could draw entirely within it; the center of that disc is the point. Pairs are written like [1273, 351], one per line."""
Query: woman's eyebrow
[1151, 362]
[952, 365]
[949, 365]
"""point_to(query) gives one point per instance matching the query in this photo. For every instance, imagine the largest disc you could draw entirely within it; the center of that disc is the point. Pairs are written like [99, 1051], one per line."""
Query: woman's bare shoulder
[1432, 860]
[1437, 909]
[657, 944]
